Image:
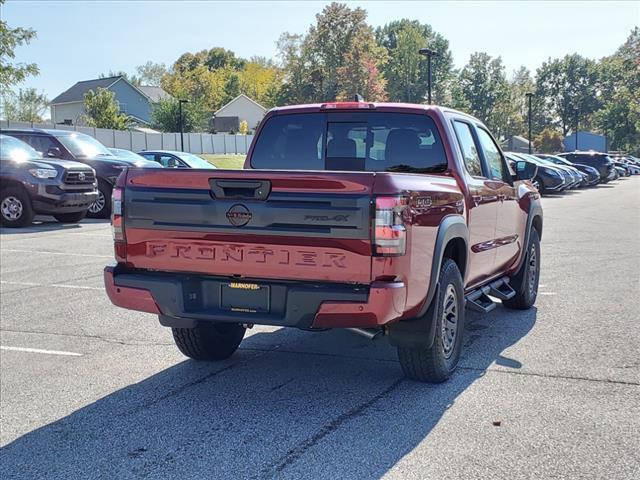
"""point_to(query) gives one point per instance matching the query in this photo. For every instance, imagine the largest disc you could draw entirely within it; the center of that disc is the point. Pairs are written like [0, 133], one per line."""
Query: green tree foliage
[327, 42]
[406, 71]
[483, 85]
[151, 73]
[619, 117]
[548, 140]
[132, 79]
[567, 88]
[102, 110]
[26, 106]
[11, 72]
[360, 72]
[166, 116]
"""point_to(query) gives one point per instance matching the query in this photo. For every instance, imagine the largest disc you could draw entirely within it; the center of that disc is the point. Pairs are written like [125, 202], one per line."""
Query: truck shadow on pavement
[289, 404]
[46, 224]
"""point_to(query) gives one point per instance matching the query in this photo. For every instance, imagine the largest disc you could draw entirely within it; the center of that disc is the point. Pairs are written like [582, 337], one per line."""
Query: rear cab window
[350, 141]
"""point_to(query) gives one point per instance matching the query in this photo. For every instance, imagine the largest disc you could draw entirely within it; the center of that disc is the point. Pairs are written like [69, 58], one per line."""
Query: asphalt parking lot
[92, 391]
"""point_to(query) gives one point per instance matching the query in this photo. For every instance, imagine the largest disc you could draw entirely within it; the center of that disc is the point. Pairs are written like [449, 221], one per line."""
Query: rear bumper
[292, 304]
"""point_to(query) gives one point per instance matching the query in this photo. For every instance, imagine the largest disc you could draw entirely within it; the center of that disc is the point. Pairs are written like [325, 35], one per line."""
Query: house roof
[77, 91]
[154, 94]
[242, 95]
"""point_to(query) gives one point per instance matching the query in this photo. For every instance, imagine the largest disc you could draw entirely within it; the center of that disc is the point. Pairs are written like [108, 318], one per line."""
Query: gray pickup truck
[31, 185]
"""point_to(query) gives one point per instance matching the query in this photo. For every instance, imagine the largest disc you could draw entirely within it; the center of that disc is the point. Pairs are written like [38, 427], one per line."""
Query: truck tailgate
[311, 226]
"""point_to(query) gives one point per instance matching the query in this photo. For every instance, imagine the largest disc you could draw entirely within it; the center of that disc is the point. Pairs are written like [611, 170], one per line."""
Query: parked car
[357, 215]
[71, 145]
[171, 159]
[547, 180]
[591, 175]
[31, 185]
[599, 161]
[127, 154]
[574, 178]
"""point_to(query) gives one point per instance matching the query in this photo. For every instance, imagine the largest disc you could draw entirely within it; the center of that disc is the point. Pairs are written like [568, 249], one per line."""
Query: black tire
[436, 364]
[525, 282]
[101, 208]
[15, 207]
[209, 341]
[74, 217]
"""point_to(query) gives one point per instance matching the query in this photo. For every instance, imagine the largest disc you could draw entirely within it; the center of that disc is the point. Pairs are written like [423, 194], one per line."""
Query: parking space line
[38, 350]
[56, 285]
[18, 250]
[546, 293]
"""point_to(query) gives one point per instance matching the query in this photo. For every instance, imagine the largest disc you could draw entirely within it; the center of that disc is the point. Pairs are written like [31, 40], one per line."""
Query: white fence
[215, 143]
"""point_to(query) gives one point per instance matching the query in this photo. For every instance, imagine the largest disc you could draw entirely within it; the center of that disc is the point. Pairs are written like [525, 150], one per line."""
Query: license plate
[244, 297]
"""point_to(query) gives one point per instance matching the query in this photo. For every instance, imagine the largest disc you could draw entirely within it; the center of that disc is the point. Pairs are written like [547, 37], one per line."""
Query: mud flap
[418, 332]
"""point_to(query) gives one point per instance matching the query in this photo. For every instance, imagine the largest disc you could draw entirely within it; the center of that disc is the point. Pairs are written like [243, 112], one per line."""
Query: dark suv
[600, 161]
[71, 145]
[31, 185]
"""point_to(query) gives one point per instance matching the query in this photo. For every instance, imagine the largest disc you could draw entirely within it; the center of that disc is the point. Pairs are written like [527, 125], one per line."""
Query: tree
[568, 90]
[243, 129]
[12, 73]
[151, 73]
[619, 84]
[548, 140]
[328, 40]
[26, 106]
[102, 110]
[483, 84]
[132, 79]
[166, 116]
[407, 71]
[359, 72]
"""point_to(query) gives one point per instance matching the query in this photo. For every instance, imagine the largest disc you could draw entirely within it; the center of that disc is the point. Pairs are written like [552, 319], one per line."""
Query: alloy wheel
[533, 270]
[99, 204]
[11, 208]
[449, 321]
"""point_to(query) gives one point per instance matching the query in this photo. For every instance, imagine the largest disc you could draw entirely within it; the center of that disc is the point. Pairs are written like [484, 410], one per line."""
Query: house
[586, 141]
[68, 107]
[228, 118]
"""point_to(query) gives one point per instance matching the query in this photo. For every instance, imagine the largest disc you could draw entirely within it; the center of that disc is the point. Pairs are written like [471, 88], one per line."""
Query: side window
[40, 143]
[149, 156]
[169, 161]
[497, 168]
[468, 147]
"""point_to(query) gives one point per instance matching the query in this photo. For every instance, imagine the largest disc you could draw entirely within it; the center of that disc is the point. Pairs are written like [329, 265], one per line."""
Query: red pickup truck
[377, 217]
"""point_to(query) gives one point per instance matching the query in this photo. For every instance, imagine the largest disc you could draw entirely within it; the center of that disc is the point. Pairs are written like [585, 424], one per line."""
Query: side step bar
[479, 300]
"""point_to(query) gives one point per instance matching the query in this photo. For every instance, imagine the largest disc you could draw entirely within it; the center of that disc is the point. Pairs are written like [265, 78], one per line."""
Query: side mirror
[54, 152]
[525, 170]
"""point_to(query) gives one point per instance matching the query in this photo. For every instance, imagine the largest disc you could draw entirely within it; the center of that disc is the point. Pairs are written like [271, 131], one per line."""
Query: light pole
[429, 54]
[529, 96]
[181, 123]
[577, 121]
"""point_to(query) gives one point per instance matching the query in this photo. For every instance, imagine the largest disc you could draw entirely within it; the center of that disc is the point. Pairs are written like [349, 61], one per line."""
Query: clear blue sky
[80, 40]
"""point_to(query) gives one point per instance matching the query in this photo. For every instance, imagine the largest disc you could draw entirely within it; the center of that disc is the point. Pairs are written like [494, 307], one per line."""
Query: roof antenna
[359, 98]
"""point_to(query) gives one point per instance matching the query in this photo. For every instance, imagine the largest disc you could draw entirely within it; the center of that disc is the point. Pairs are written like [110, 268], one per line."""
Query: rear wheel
[209, 341]
[436, 364]
[15, 207]
[74, 217]
[525, 282]
[101, 208]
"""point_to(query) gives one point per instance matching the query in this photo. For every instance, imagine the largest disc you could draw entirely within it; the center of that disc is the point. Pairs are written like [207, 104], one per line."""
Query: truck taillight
[117, 214]
[389, 231]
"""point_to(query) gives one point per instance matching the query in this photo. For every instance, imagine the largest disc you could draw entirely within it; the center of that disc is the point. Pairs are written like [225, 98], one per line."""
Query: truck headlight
[43, 173]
